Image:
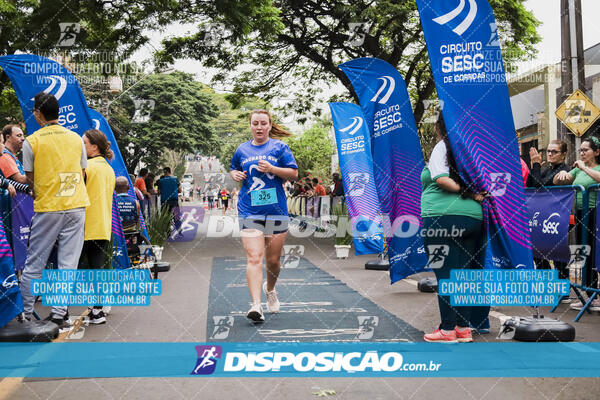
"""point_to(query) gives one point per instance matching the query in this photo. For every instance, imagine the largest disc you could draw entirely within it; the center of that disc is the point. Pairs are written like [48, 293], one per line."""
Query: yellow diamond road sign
[578, 113]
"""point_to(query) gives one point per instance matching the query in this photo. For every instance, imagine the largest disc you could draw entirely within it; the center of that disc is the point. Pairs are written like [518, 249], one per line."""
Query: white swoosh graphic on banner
[466, 23]
[357, 122]
[392, 85]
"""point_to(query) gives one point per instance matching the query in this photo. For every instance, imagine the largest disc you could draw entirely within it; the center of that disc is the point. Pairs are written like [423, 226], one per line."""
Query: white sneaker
[577, 305]
[272, 300]
[256, 313]
[594, 305]
[106, 309]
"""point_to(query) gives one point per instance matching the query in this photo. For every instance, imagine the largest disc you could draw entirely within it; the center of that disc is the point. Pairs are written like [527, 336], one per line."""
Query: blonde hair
[277, 132]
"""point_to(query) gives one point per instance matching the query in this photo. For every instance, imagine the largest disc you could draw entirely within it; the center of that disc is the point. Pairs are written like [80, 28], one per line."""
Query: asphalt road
[181, 314]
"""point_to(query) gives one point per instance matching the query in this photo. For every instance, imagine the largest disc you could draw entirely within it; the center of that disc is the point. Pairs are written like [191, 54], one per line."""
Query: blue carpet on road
[315, 307]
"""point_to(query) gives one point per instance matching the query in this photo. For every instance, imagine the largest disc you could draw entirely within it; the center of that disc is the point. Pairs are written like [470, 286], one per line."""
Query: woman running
[263, 164]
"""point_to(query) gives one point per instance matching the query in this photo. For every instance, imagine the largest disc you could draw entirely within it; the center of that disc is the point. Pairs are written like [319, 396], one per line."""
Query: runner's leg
[254, 244]
[273, 253]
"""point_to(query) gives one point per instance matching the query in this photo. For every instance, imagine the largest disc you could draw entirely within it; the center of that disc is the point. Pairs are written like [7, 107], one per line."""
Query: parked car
[188, 178]
[187, 191]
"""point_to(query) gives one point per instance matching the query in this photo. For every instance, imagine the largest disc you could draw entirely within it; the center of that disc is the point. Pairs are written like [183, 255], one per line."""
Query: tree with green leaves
[294, 47]
[313, 150]
[162, 111]
[104, 25]
[105, 32]
[10, 109]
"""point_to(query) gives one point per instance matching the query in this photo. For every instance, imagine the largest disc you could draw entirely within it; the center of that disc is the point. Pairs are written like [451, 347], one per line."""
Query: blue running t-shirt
[169, 188]
[127, 210]
[246, 159]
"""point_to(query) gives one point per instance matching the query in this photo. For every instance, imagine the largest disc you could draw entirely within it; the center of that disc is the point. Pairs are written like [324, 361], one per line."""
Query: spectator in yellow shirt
[54, 160]
[100, 184]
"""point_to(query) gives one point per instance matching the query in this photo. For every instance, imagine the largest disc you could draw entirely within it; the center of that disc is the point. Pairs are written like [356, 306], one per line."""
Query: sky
[548, 12]
[549, 52]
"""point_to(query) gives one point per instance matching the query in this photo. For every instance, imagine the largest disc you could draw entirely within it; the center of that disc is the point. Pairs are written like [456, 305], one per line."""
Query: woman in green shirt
[453, 235]
[586, 172]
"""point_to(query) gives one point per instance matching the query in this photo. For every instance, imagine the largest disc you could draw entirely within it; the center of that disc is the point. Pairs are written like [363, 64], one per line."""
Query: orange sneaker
[439, 336]
[465, 336]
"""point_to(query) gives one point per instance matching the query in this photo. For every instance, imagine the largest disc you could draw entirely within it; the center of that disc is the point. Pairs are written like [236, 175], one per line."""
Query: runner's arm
[288, 174]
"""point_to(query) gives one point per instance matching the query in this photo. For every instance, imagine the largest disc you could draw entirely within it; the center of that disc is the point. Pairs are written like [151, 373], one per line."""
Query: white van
[188, 178]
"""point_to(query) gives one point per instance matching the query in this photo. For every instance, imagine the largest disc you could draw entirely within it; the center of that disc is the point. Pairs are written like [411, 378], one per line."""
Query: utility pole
[572, 64]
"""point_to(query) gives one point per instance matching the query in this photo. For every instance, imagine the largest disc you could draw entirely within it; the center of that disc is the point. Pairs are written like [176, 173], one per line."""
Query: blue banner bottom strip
[364, 359]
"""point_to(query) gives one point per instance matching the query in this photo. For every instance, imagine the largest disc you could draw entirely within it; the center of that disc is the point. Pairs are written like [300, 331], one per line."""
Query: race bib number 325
[263, 197]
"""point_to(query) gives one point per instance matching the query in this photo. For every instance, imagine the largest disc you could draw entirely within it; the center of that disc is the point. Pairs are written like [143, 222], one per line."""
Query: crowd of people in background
[315, 187]
[71, 186]
[583, 172]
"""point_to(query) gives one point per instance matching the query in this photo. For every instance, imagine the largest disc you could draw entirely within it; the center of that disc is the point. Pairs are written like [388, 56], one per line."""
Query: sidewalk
[181, 314]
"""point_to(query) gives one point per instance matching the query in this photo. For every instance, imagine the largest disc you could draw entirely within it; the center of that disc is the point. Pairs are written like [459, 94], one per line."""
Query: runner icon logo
[223, 325]
[500, 181]
[68, 33]
[68, 183]
[494, 39]
[366, 326]
[357, 33]
[358, 182]
[143, 110]
[292, 255]
[437, 255]
[213, 32]
[191, 218]
[214, 178]
[207, 359]
[432, 109]
[579, 255]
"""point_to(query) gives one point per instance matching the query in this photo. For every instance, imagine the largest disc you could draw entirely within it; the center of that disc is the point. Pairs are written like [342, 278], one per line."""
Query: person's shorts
[267, 226]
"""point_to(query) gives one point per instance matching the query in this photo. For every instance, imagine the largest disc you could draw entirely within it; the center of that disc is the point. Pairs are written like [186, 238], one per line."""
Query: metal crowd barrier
[581, 272]
[588, 263]
[313, 207]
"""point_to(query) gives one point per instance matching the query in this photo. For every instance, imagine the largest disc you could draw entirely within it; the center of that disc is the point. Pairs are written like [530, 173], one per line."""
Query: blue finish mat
[315, 307]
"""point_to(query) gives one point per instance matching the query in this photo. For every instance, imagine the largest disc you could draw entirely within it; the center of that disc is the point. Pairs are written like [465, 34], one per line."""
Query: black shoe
[62, 322]
[96, 317]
